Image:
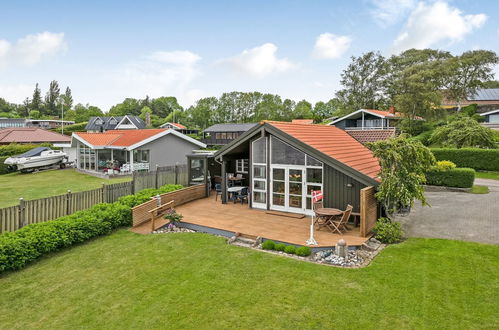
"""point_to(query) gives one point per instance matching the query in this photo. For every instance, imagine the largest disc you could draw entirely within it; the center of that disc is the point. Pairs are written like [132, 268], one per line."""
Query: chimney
[391, 110]
[148, 119]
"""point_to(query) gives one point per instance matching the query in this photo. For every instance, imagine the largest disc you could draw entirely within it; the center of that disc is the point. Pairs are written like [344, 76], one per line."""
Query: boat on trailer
[37, 158]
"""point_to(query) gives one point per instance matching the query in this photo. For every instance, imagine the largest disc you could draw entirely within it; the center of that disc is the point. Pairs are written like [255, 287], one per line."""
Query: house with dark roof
[484, 98]
[491, 119]
[221, 134]
[102, 124]
[282, 163]
[31, 135]
[368, 119]
[180, 128]
[123, 151]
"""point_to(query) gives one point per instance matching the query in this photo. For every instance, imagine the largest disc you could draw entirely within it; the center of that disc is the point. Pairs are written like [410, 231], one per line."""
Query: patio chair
[341, 224]
[242, 195]
[218, 190]
[319, 219]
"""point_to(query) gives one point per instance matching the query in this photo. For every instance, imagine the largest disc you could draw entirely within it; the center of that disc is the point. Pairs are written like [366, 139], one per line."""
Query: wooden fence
[140, 213]
[39, 210]
[368, 210]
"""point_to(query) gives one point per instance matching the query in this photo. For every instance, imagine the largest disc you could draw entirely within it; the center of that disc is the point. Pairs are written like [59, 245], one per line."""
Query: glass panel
[314, 175]
[259, 151]
[309, 203]
[283, 153]
[197, 170]
[295, 201]
[295, 188]
[312, 187]
[295, 175]
[259, 185]
[259, 171]
[278, 174]
[311, 161]
[278, 199]
[278, 187]
[259, 197]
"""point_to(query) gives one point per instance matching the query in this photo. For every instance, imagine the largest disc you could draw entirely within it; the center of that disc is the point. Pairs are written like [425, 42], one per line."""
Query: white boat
[36, 158]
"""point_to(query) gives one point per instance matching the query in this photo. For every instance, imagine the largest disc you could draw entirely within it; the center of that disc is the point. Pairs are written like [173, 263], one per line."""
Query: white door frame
[286, 207]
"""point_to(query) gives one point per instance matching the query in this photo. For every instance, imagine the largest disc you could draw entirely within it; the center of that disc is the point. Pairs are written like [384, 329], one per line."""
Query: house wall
[168, 150]
[337, 194]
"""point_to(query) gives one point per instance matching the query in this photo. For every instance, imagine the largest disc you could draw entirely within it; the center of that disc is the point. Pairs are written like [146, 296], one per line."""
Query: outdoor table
[328, 213]
[235, 189]
[235, 179]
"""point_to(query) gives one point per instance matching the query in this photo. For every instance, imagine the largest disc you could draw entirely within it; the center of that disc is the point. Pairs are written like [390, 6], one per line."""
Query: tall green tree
[303, 110]
[163, 106]
[51, 99]
[67, 99]
[362, 82]
[325, 110]
[36, 101]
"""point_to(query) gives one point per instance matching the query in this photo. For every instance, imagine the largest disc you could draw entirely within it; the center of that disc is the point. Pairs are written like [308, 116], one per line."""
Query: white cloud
[329, 45]
[388, 12]
[180, 57]
[260, 61]
[437, 22]
[16, 93]
[32, 48]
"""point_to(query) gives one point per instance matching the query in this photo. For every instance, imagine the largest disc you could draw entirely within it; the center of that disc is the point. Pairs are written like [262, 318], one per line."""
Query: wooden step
[286, 214]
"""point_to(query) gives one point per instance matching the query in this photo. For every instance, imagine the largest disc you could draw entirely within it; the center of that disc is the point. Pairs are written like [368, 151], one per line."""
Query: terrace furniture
[234, 191]
[242, 195]
[339, 225]
[327, 214]
[320, 220]
[218, 190]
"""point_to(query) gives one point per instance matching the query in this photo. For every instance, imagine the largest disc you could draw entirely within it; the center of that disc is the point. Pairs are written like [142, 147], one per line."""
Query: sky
[109, 50]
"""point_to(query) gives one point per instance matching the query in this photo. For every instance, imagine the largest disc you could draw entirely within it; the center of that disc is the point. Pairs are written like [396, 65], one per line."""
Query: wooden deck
[239, 218]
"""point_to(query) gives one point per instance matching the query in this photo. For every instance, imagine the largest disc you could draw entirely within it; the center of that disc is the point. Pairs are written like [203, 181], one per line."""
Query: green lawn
[487, 175]
[46, 183]
[477, 189]
[190, 281]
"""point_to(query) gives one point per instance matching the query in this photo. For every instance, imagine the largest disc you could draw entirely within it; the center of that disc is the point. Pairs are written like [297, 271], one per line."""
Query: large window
[141, 156]
[242, 165]
[283, 153]
[259, 182]
[197, 170]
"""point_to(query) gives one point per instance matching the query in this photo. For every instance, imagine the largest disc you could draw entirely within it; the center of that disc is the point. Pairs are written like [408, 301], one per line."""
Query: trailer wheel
[62, 166]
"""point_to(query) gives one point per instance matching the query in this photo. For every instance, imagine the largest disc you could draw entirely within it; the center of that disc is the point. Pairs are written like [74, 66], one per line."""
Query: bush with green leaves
[173, 216]
[303, 251]
[146, 194]
[17, 149]
[290, 249]
[477, 159]
[280, 247]
[424, 138]
[444, 165]
[29, 243]
[268, 245]
[463, 132]
[4, 169]
[456, 177]
[388, 231]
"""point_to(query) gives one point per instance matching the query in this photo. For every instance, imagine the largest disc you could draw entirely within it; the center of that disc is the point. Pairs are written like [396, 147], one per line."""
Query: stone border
[443, 188]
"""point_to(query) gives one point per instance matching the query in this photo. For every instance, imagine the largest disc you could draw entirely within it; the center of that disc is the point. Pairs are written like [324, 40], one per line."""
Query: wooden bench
[159, 212]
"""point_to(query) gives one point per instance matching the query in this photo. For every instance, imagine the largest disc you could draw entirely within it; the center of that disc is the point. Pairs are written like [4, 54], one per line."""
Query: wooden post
[224, 181]
[104, 193]
[22, 207]
[133, 183]
[68, 202]
[176, 173]
[156, 183]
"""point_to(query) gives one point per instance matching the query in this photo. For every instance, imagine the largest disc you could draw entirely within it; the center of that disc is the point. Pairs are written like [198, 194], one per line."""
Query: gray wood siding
[336, 192]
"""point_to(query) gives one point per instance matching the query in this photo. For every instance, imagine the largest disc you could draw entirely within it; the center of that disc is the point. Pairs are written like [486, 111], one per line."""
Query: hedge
[3, 167]
[33, 241]
[16, 149]
[477, 159]
[457, 177]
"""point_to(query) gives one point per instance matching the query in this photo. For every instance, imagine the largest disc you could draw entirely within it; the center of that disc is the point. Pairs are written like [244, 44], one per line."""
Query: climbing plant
[403, 165]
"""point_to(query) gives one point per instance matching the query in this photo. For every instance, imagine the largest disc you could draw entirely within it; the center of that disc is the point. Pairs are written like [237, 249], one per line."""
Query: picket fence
[44, 209]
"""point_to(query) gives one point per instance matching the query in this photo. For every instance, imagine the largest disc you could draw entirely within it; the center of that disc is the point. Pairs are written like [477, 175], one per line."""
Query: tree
[52, 98]
[82, 113]
[129, 106]
[404, 163]
[35, 114]
[67, 99]
[491, 84]
[201, 114]
[163, 106]
[144, 113]
[303, 110]
[36, 101]
[464, 132]
[470, 71]
[362, 82]
[325, 110]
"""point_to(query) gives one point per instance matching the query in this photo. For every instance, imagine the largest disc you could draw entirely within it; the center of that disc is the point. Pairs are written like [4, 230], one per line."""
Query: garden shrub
[290, 249]
[146, 194]
[268, 245]
[16, 149]
[387, 231]
[280, 247]
[3, 168]
[477, 159]
[32, 241]
[457, 177]
[303, 251]
[444, 165]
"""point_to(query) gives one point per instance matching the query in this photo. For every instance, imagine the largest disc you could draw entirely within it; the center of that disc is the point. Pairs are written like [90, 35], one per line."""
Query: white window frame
[242, 165]
[264, 180]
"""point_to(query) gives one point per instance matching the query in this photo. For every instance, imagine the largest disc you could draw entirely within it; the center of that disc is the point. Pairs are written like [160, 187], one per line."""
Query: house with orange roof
[282, 163]
[179, 127]
[124, 151]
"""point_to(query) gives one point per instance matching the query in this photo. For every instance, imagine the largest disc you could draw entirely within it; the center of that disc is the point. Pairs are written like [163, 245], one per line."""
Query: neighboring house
[180, 128]
[102, 124]
[484, 98]
[491, 119]
[372, 135]
[31, 135]
[125, 151]
[40, 123]
[368, 119]
[221, 134]
[287, 161]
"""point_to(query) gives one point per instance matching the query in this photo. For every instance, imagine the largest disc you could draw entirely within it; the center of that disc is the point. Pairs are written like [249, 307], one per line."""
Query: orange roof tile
[302, 121]
[335, 143]
[119, 138]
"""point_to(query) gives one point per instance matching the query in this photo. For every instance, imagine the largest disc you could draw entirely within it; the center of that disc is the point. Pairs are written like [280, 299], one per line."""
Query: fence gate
[368, 210]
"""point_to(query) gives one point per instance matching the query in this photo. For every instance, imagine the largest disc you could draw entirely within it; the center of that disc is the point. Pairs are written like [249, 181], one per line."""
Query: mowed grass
[191, 281]
[477, 189]
[487, 175]
[46, 183]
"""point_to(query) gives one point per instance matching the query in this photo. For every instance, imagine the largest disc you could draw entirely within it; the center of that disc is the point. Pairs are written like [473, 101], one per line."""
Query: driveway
[457, 215]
